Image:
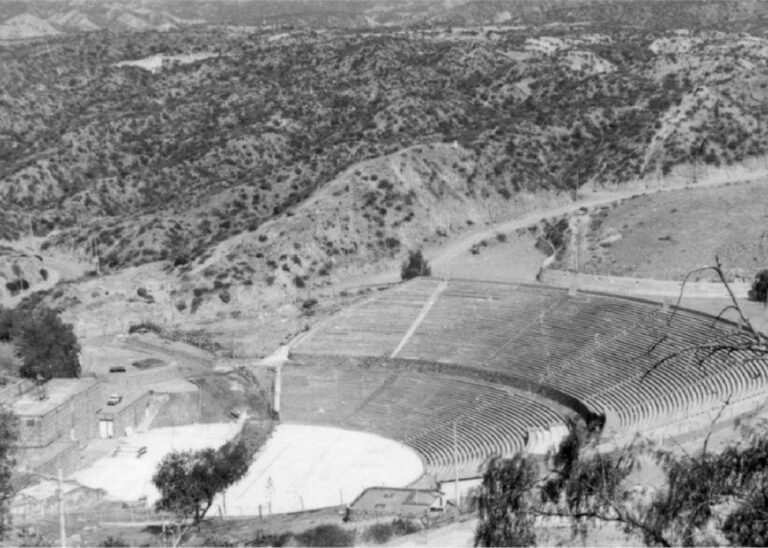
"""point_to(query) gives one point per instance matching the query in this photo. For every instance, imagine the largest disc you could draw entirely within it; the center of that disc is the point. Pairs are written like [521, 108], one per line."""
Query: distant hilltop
[53, 19]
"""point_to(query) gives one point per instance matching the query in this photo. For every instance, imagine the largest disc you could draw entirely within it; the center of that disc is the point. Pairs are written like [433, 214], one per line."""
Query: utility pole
[59, 479]
[62, 522]
[455, 465]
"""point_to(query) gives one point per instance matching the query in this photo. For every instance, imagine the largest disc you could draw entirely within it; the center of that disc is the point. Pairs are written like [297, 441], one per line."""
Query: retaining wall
[627, 286]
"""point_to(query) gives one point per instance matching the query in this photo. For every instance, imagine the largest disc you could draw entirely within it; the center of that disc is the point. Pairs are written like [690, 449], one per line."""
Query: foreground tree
[704, 498]
[8, 437]
[48, 347]
[505, 503]
[188, 481]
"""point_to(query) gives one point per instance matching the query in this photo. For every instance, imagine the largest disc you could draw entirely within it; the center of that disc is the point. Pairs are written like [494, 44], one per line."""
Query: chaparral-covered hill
[229, 170]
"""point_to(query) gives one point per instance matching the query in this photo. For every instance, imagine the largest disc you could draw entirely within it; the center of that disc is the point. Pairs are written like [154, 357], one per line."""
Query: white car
[114, 399]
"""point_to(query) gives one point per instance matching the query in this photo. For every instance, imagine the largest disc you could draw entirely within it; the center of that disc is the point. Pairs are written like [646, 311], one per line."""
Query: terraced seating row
[420, 410]
[599, 349]
[372, 327]
[463, 325]
[314, 395]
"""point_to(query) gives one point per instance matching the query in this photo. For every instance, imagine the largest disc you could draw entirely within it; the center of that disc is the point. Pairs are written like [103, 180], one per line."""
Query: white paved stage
[315, 467]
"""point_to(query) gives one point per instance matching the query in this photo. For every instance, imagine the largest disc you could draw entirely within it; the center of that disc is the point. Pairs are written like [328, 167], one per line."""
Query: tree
[8, 437]
[415, 265]
[505, 502]
[705, 498]
[758, 292]
[47, 345]
[188, 481]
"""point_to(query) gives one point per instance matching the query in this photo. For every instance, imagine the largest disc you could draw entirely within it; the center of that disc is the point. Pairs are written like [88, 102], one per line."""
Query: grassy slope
[242, 184]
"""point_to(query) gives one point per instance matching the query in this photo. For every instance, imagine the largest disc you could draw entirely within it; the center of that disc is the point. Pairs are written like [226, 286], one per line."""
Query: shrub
[44, 274]
[114, 542]
[181, 306]
[392, 243]
[17, 285]
[415, 265]
[326, 535]
[402, 526]
[378, 533]
[308, 306]
[269, 539]
[142, 292]
[759, 290]
[144, 327]
[181, 259]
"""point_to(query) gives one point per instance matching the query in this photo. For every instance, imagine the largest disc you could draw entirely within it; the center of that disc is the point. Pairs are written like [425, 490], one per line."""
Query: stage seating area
[420, 410]
[593, 347]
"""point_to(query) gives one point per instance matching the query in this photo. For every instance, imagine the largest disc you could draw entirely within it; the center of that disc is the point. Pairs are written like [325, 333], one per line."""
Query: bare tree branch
[726, 403]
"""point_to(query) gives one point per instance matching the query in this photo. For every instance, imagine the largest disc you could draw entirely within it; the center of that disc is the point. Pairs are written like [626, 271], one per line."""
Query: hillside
[225, 168]
[26, 26]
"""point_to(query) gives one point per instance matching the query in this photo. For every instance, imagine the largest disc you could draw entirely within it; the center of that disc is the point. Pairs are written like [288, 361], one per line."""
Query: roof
[390, 499]
[57, 391]
[130, 395]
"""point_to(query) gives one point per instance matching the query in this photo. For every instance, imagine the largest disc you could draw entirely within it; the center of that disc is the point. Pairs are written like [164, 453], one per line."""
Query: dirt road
[441, 256]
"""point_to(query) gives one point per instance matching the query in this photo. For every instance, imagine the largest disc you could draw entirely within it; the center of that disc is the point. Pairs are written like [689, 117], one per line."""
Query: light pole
[59, 478]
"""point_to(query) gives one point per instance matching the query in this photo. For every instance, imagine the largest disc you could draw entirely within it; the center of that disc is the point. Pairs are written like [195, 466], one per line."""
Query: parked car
[114, 399]
[117, 369]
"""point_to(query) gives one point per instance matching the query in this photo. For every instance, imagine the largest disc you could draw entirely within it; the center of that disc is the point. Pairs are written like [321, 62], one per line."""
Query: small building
[397, 502]
[61, 410]
[120, 419]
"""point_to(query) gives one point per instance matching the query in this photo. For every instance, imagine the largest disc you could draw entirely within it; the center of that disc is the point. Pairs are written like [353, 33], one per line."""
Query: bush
[143, 327]
[402, 526]
[326, 535]
[415, 265]
[114, 542]
[268, 539]
[759, 290]
[17, 285]
[378, 533]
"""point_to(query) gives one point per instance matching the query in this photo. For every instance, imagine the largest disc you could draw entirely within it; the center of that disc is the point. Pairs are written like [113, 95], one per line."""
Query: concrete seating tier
[372, 327]
[598, 349]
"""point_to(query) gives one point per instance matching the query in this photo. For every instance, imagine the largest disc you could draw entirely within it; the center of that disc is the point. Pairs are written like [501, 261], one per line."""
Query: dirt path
[58, 266]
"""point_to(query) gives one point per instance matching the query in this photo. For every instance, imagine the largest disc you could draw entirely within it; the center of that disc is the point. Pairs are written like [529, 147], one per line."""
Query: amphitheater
[461, 371]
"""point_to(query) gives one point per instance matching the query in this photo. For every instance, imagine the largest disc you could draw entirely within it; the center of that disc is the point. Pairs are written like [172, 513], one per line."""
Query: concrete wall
[61, 455]
[639, 287]
[130, 416]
